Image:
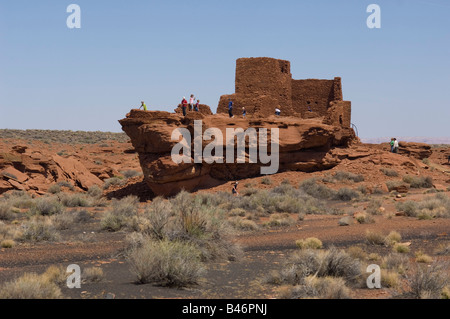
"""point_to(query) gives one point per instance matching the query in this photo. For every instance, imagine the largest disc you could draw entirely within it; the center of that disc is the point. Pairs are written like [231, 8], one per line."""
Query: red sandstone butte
[313, 128]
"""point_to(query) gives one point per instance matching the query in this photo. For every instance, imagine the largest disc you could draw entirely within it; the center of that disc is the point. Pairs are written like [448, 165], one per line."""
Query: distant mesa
[314, 122]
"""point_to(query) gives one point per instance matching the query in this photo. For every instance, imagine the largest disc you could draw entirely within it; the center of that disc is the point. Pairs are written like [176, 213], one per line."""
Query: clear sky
[53, 77]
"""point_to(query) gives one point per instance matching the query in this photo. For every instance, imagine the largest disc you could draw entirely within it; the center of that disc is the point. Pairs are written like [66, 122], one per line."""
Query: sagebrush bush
[6, 212]
[167, 263]
[428, 281]
[95, 191]
[131, 173]
[47, 206]
[389, 172]
[74, 200]
[113, 181]
[121, 213]
[347, 176]
[434, 207]
[418, 181]
[312, 188]
[39, 229]
[158, 214]
[54, 189]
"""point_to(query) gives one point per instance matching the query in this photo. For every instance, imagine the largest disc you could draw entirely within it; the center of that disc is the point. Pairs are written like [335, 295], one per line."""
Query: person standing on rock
[395, 145]
[196, 109]
[143, 106]
[191, 102]
[230, 108]
[234, 190]
[244, 112]
[277, 112]
[184, 105]
[391, 143]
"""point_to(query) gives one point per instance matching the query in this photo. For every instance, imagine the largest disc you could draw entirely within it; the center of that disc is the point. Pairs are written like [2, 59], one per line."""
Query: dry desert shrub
[319, 287]
[6, 211]
[375, 238]
[39, 229]
[396, 262]
[389, 172]
[167, 263]
[437, 206]
[312, 188]
[279, 220]
[318, 263]
[428, 281]
[343, 176]
[243, 224]
[309, 243]
[47, 206]
[121, 213]
[346, 194]
[418, 181]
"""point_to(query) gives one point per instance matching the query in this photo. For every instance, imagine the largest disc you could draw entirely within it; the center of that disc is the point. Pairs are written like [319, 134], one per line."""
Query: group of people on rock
[194, 106]
[191, 106]
[394, 145]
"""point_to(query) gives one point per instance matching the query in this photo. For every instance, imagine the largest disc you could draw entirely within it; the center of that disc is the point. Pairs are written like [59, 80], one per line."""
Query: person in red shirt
[184, 104]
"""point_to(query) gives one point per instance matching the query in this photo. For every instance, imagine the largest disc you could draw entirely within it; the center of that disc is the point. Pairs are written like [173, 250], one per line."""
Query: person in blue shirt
[244, 112]
[230, 108]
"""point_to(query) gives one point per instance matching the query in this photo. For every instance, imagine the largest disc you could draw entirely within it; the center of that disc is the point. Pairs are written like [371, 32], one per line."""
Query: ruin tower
[262, 84]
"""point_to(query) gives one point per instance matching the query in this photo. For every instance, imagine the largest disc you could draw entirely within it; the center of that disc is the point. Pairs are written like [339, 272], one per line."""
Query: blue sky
[53, 77]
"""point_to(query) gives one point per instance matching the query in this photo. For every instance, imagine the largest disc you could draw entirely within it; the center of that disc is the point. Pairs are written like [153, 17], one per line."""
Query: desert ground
[363, 211]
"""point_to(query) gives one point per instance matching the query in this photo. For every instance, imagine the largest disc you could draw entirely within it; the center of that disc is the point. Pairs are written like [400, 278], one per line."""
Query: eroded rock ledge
[304, 144]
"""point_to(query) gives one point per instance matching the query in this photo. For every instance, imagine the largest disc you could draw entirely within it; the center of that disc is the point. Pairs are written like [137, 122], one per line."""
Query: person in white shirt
[395, 145]
[191, 102]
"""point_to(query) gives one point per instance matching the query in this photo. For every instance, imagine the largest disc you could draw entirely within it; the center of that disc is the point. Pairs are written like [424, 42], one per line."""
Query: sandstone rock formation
[305, 145]
[36, 172]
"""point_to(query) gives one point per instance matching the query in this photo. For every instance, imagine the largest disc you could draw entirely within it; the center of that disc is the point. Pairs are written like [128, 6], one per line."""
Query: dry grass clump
[401, 248]
[279, 220]
[33, 286]
[377, 238]
[318, 288]
[92, 275]
[421, 257]
[309, 243]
